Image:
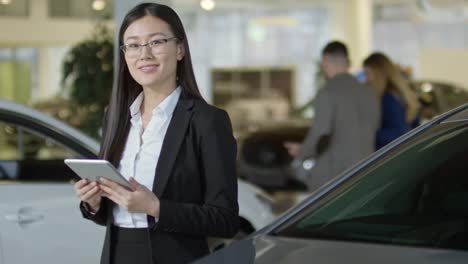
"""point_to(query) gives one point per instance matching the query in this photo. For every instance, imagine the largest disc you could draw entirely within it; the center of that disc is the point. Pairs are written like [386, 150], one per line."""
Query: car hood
[268, 249]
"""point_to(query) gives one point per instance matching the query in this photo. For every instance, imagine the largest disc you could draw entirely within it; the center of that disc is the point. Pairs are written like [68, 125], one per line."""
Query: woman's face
[370, 76]
[152, 66]
[375, 79]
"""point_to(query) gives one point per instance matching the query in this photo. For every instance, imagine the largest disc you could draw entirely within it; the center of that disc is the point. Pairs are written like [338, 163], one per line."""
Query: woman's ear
[180, 51]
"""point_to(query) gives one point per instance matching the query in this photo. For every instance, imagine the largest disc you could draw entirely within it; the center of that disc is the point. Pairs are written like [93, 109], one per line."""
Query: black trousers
[130, 246]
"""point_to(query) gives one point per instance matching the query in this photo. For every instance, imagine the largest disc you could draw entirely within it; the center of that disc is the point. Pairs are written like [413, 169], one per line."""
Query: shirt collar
[135, 107]
[169, 103]
[167, 106]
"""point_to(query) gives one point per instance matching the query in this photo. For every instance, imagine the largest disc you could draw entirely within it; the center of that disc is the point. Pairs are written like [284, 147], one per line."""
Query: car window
[29, 156]
[417, 196]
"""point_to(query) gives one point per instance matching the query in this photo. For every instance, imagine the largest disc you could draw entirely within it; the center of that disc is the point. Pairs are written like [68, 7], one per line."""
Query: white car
[39, 217]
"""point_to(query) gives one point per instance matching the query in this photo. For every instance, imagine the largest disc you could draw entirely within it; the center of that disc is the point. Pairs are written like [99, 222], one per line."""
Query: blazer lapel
[171, 144]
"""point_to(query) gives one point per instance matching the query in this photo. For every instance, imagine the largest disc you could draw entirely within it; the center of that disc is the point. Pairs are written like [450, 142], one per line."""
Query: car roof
[26, 113]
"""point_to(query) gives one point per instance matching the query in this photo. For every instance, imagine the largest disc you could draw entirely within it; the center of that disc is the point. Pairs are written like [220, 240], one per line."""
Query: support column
[361, 23]
[351, 22]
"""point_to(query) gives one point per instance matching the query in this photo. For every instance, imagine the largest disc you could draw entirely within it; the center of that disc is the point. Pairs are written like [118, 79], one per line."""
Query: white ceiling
[253, 3]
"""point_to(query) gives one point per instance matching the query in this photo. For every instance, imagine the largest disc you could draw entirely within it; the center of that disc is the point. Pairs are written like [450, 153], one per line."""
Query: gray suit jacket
[348, 112]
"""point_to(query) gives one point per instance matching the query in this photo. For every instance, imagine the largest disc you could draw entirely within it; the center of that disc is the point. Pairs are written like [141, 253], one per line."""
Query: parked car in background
[438, 97]
[406, 203]
[264, 161]
[39, 217]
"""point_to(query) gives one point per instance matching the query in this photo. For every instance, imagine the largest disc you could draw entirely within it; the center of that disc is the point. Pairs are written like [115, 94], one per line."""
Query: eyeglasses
[157, 46]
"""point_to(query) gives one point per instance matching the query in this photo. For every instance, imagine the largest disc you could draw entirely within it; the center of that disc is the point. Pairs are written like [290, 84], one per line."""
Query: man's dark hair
[336, 49]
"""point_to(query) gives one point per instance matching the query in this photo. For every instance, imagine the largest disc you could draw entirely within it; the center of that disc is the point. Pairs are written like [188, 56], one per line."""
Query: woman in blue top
[400, 104]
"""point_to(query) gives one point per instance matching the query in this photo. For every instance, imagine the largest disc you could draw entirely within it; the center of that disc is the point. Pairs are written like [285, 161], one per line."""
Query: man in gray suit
[347, 116]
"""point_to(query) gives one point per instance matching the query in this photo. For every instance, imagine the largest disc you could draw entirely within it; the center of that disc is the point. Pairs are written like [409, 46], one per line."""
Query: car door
[415, 195]
[39, 217]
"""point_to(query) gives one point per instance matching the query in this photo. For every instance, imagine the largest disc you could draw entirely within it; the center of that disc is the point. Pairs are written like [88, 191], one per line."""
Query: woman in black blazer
[192, 190]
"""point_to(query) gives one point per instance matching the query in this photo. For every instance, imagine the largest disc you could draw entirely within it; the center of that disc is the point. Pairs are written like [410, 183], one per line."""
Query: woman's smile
[149, 68]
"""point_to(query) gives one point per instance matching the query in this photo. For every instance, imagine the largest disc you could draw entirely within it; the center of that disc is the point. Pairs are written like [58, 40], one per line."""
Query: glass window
[14, 8]
[18, 73]
[81, 9]
[416, 196]
[28, 156]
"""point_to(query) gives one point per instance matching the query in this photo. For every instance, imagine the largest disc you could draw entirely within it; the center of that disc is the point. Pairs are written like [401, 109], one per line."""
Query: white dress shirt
[142, 150]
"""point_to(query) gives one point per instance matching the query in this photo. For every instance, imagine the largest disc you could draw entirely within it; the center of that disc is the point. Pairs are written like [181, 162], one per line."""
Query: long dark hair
[126, 89]
[392, 79]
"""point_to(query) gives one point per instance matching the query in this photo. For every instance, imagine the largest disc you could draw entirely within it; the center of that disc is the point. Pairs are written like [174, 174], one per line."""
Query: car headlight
[308, 164]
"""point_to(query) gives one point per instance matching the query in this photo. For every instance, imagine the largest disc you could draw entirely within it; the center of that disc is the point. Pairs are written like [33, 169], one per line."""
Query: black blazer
[195, 182]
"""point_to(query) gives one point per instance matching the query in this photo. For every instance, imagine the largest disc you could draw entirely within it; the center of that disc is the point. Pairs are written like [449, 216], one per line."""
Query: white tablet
[93, 169]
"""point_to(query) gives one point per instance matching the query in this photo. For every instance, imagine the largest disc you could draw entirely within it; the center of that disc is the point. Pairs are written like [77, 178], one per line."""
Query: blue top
[393, 120]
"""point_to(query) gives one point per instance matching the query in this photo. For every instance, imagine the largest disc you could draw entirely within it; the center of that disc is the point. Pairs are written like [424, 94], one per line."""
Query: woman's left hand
[140, 200]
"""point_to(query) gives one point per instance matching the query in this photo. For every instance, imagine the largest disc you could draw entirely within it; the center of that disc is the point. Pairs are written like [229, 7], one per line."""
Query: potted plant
[87, 76]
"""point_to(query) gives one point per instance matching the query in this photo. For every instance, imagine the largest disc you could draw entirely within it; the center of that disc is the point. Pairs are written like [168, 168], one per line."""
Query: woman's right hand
[90, 193]
[293, 148]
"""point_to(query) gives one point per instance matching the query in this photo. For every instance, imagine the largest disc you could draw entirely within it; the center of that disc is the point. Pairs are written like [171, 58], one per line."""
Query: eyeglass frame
[147, 44]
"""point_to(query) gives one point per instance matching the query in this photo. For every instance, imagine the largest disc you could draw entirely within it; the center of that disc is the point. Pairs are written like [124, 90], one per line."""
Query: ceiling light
[5, 2]
[99, 5]
[208, 5]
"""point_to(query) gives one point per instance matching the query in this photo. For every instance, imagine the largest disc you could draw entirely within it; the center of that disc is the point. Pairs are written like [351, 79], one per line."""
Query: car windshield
[417, 195]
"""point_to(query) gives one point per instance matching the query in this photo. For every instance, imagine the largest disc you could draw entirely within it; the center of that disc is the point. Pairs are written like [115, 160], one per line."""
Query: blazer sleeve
[100, 217]
[322, 124]
[218, 216]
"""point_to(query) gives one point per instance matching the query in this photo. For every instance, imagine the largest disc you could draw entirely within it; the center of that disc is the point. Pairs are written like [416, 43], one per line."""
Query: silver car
[406, 203]
[39, 217]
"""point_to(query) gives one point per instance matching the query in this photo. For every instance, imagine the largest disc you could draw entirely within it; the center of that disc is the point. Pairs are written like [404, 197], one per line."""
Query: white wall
[444, 64]
[243, 39]
[436, 51]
